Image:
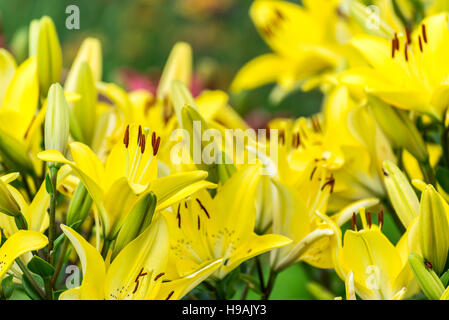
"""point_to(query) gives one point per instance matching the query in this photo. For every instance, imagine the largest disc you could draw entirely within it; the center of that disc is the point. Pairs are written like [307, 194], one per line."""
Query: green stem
[260, 273]
[445, 144]
[52, 225]
[60, 262]
[30, 278]
[269, 288]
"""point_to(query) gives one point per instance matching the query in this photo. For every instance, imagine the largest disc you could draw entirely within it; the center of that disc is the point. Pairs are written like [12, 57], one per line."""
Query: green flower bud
[181, 96]
[56, 120]
[13, 154]
[44, 44]
[137, 221]
[195, 124]
[83, 111]
[177, 67]
[399, 129]
[401, 194]
[79, 207]
[428, 280]
[434, 229]
[8, 204]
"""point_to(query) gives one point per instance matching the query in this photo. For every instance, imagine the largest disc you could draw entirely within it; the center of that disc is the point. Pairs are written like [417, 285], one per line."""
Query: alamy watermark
[247, 147]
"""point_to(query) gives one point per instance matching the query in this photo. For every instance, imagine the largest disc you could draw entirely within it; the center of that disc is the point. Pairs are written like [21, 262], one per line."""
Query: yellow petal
[260, 71]
[178, 288]
[178, 186]
[22, 95]
[94, 270]
[136, 272]
[18, 244]
[7, 69]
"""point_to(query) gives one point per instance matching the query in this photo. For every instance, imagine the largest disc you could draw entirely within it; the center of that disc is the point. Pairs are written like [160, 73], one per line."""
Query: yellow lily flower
[136, 273]
[294, 217]
[300, 38]
[381, 270]
[18, 244]
[35, 212]
[203, 229]
[129, 173]
[407, 71]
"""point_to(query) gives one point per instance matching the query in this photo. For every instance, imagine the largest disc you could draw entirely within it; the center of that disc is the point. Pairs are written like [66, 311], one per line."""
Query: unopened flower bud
[137, 221]
[399, 129]
[79, 207]
[401, 194]
[428, 280]
[8, 204]
[44, 44]
[56, 120]
[434, 229]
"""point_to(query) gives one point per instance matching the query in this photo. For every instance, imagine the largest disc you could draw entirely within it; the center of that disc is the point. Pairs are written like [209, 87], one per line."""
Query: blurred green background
[137, 36]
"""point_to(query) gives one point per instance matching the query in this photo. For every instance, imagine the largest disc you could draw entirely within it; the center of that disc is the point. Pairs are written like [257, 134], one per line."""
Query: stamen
[420, 44]
[313, 172]
[137, 279]
[409, 38]
[159, 275]
[199, 223]
[424, 33]
[428, 264]
[169, 296]
[385, 172]
[142, 144]
[178, 216]
[153, 139]
[202, 207]
[380, 219]
[330, 182]
[406, 52]
[126, 137]
[279, 14]
[282, 137]
[396, 39]
[139, 135]
[156, 146]
[354, 222]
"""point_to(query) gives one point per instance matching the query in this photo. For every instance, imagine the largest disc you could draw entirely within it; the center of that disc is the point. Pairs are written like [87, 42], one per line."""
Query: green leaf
[8, 286]
[445, 278]
[442, 175]
[41, 267]
[28, 287]
[48, 184]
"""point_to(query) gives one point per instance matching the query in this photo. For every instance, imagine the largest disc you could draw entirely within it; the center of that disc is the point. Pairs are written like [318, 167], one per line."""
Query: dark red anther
[354, 222]
[159, 275]
[156, 146]
[420, 44]
[407, 33]
[380, 218]
[139, 135]
[126, 137]
[428, 265]
[424, 33]
[142, 144]
[153, 139]
[406, 52]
